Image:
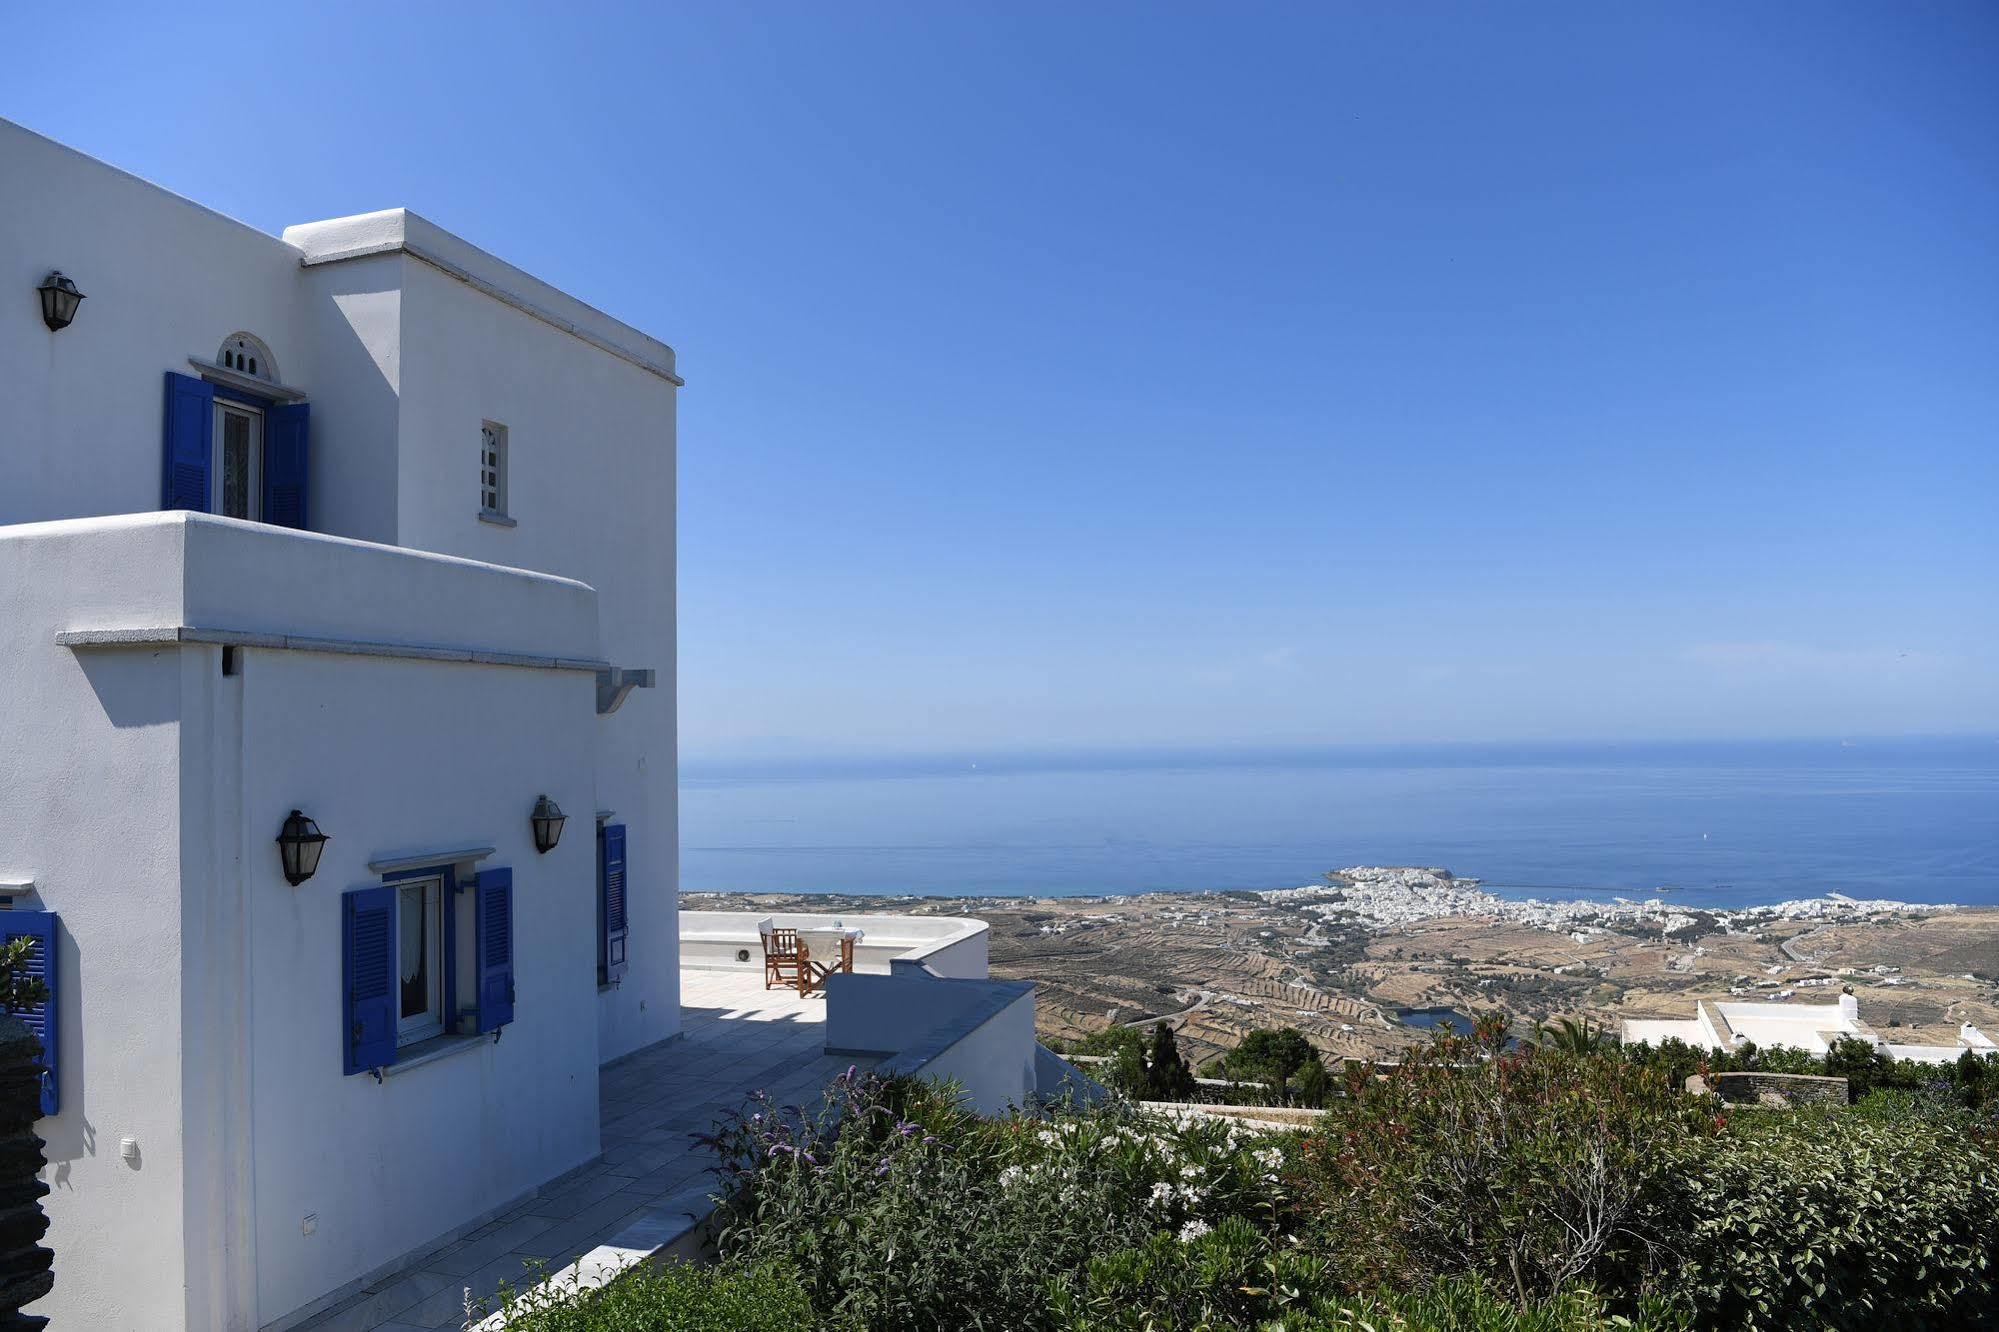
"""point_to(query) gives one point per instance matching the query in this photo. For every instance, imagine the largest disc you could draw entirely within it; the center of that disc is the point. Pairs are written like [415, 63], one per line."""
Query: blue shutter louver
[189, 424]
[287, 460]
[367, 966]
[611, 883]
[40, 1018]
[493, 924]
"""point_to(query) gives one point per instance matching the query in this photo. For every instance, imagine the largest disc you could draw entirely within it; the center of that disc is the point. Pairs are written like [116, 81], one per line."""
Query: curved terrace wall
[948, 945]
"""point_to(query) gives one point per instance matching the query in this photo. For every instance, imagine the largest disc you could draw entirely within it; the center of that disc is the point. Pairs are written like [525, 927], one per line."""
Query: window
[425, 955]
[238, 466]
[492, 469]
[40, 964]
[420, 960]
[613, 932]
[227, 449]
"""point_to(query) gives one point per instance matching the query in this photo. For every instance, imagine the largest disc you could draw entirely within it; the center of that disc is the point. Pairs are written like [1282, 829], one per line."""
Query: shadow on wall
[130, 687]
[70, 1135]
[356, 406]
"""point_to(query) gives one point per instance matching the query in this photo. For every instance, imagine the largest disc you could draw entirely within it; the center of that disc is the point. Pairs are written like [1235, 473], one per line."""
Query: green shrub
[1840, 1219]
[1224, 1276]
[666, 1297]
[1231, 1278]
[1464, 1305]
[1528, 1168]
[1473, 1187]
[899, 1209]
[1272, 1056]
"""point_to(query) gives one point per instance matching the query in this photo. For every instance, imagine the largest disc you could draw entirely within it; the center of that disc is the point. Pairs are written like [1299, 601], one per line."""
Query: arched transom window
[247, 355]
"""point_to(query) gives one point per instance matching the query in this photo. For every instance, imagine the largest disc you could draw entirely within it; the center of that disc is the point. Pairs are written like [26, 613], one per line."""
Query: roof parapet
[399, 231]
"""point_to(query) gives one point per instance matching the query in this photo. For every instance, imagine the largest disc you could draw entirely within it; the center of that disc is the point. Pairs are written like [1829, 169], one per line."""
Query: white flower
[1270, 1158]
[1162, 1194]
[1193, 1230]
[1046, 1138]
[1190, 1172]
[1010, 1176]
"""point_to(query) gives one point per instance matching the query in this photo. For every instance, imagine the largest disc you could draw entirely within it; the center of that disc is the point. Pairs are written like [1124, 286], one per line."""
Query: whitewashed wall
[91, 783]
[163, 279]
[401, 756]
[201, 994]
[591, 489]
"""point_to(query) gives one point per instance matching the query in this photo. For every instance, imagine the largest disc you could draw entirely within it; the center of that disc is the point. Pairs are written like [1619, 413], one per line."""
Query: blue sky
[1144, 375]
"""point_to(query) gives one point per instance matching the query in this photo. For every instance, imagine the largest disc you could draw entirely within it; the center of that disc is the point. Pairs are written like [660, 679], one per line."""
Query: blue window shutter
[190, 421]
[40, 1018]
[367, 979]
[286, 465]
[493, 924]
[611, 883]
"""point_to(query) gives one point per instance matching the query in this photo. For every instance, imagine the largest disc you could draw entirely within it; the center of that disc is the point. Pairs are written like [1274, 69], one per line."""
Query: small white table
[829, 942]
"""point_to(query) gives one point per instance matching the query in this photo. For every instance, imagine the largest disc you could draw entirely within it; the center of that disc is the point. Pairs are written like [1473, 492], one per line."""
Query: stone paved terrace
[653, 1179]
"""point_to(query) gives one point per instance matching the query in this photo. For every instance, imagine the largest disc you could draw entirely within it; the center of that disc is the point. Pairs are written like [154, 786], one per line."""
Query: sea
[1713, 825]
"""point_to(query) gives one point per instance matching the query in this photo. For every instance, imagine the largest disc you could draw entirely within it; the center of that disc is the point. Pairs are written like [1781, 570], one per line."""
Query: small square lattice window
[493, 468]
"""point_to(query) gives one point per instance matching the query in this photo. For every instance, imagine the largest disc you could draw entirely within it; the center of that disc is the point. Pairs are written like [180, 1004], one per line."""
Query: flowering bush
[1474, 1186]
[900, 1209]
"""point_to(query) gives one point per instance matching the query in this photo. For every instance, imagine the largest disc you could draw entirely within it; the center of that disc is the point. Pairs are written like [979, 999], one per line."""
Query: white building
[1813, 1028]
[268, 512]
[363, 526]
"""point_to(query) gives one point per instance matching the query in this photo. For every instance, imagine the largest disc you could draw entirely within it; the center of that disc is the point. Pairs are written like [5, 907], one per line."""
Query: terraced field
[1218, 965]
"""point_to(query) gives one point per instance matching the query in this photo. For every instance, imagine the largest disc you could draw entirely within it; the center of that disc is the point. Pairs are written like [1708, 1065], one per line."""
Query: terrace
[651, 1187]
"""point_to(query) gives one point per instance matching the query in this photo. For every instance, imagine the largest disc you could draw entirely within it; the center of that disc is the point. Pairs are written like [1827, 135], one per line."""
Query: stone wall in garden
[1778, 1091]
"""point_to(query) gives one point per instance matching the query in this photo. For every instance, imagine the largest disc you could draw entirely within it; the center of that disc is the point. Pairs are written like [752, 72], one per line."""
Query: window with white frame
[420, 960]
[493, 468]
[426, 956]
[237, 468]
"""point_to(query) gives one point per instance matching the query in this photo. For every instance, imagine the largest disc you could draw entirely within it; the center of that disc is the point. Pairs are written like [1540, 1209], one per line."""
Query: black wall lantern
[300, 843]
[547, 819]
[59, 301]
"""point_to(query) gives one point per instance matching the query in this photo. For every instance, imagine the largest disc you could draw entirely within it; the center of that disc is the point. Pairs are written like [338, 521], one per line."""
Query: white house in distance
[1813, 1028]
[268, 511]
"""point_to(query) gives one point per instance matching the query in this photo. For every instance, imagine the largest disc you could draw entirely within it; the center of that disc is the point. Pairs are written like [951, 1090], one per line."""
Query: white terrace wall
[205, 1021]
[977, 1033]
[946, 945]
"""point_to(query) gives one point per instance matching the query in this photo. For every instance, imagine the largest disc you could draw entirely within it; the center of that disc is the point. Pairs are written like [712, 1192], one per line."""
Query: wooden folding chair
[784, 956]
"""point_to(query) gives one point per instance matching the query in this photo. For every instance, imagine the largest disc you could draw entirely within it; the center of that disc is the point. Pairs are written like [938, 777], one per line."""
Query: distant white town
[1388, 897]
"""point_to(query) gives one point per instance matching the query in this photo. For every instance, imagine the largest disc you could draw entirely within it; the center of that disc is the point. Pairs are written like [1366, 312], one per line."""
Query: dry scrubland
[1218, 965]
